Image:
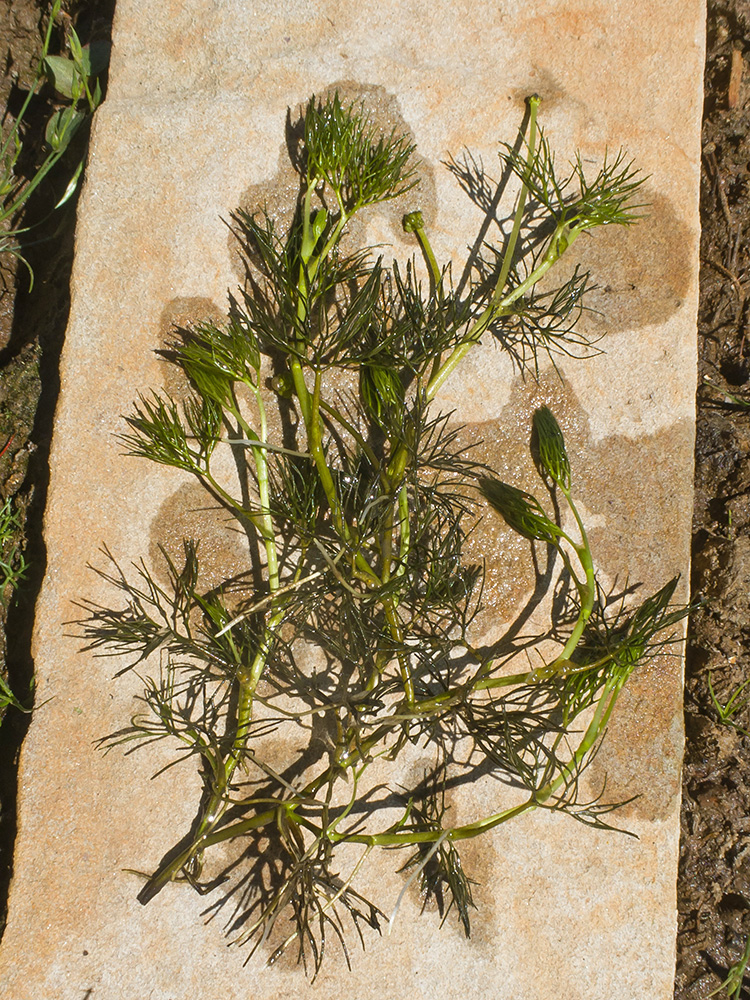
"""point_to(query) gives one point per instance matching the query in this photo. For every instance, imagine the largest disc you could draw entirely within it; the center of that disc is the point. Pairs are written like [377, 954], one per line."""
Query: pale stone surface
[193, 127]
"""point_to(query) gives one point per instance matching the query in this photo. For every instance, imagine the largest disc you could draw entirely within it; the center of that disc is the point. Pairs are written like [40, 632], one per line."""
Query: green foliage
[13, 568]
[74, 77]
[12, 563]
[8, 699]
[576, 203]
[734, 704]
[357, 516]
[735, 977]
[344, 151]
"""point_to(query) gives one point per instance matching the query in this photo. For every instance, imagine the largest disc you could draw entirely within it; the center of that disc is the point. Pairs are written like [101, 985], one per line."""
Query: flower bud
[283, 385]
[549, 445]
[520, 510]
[412, 221]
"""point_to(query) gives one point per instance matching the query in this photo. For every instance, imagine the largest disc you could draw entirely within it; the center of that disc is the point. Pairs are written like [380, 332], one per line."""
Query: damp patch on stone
[190, 513]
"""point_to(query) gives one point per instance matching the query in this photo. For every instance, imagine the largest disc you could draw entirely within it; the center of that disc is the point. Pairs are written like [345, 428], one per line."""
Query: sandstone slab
[192, 127]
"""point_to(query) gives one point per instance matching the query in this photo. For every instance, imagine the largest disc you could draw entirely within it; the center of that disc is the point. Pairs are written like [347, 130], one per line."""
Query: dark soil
[32, 327]
[714, 885]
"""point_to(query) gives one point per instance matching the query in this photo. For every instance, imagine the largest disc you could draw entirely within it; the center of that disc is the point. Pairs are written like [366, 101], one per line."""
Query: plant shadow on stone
[352, 633]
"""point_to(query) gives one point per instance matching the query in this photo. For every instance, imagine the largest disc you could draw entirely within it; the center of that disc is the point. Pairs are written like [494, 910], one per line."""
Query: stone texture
[192, 128]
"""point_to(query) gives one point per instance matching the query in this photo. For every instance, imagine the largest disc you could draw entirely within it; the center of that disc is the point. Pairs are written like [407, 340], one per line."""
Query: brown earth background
[714, 882]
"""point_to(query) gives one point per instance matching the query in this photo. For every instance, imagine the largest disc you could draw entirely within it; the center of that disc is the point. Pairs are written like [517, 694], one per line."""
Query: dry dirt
[714, 886]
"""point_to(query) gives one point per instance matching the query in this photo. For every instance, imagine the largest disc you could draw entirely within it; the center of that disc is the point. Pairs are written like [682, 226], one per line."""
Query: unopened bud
[412, 221]
[551, 456]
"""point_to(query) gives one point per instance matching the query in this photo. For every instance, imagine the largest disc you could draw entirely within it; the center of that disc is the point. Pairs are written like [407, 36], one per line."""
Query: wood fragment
[710, 153]
[736, 248]
[741, 298]
[735, 78]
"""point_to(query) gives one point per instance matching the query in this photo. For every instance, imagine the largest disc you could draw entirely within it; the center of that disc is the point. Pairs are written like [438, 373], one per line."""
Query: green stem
[587, 589]
[37, 77]
[510, 249]
[308, 240]
[562, 239]
[295, 365]
[218, 801]
[467, 831]
[394, 627]
[386, 544]
[332, 239]
[351, 429]
[404, 530]
[315, 444]
[260, 459]
[413, 223]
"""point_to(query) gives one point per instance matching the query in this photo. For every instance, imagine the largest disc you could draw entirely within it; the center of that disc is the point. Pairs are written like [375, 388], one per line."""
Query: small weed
[8, 699]
[12, 562]
[732, 397]
[735, 977]
[74, 78]
[734, 704]
[13, 567]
